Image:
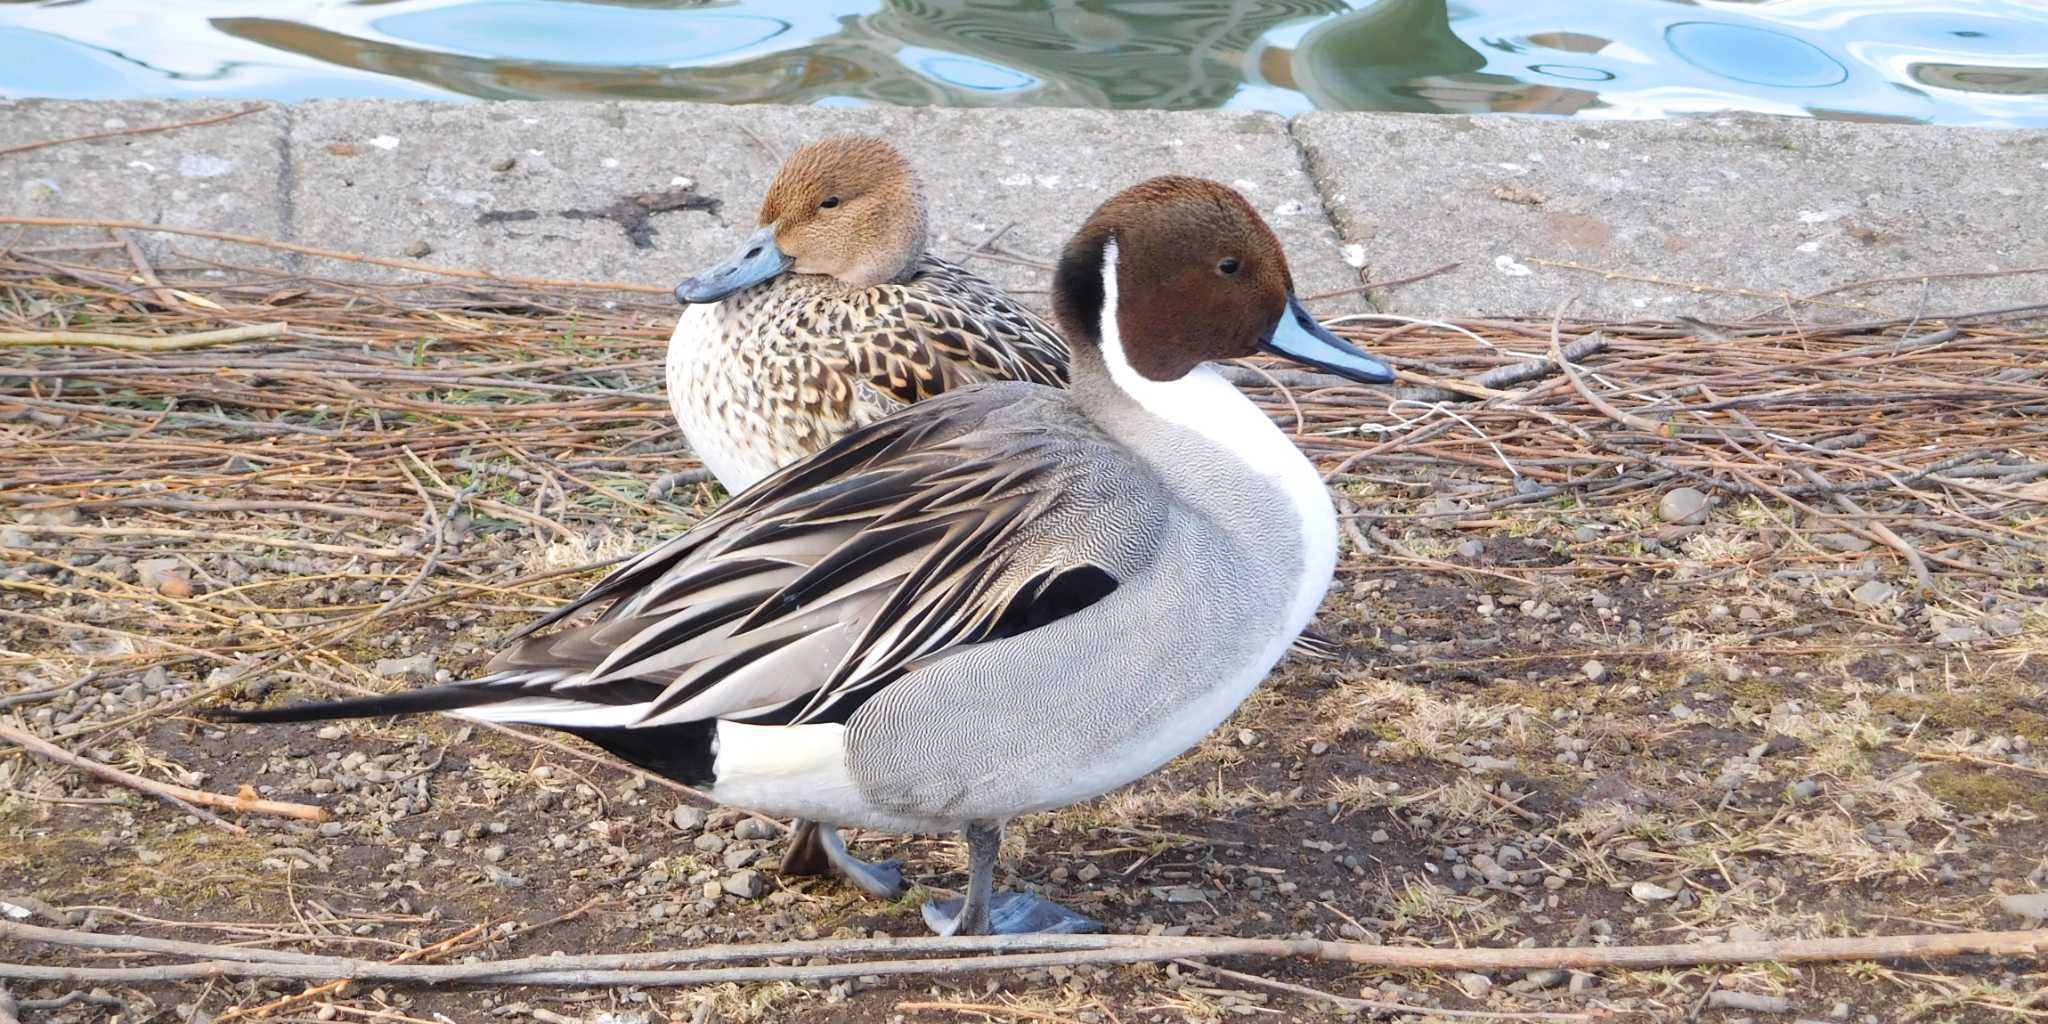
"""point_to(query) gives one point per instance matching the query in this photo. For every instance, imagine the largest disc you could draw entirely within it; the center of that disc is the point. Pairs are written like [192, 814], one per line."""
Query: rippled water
[1938, 61]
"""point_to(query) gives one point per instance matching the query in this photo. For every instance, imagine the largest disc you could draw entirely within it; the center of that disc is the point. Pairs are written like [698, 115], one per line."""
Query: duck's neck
[1204, 438]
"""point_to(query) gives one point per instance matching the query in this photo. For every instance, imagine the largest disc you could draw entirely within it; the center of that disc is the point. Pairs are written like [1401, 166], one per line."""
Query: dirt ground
[1504, 755]
[1554, 723]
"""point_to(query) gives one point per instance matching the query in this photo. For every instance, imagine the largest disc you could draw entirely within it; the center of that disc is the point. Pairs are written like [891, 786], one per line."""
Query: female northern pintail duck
[1004, 599]
[833, 315]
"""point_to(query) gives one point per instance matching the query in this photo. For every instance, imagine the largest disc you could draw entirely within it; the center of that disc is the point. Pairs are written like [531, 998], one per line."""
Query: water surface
[1979, 62]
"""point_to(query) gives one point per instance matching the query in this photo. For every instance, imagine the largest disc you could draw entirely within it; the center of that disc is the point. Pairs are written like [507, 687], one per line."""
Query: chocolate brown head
[847, 207]
[1178, 271]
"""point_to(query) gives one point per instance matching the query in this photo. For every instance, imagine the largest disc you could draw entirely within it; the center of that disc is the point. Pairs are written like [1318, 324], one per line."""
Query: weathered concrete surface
[222, 177]
[1768, 205]
[522, 187]
[1764, 206]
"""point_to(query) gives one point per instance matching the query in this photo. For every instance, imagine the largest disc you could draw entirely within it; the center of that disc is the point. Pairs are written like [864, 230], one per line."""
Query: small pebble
[1847, 543]
[1649, 892]
[755, 828]
[1593, 670]
[503, 164]
[1476, 986]
[746, 885]
[687, 819]
[1684, 506]
[1804, 789]
[2030, 906]
[418, 247]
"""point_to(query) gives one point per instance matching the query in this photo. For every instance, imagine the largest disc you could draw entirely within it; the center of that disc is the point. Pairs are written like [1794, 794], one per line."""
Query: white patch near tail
[788, 770]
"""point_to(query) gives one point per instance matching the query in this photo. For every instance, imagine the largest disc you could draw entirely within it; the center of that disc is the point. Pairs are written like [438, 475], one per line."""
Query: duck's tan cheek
[811, 253]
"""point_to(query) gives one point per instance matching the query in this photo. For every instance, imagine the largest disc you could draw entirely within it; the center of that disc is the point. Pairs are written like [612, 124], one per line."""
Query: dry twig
[197, 797]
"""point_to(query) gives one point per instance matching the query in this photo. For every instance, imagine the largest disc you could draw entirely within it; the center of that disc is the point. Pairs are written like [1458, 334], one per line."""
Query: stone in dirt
[1683, 506]
[163, 575]
[746, 885]
[2029, 906]
[1649, 892]
[1959, 635]
[419, 666]
[1848, 543]
[2002, 626]
[1873, 593]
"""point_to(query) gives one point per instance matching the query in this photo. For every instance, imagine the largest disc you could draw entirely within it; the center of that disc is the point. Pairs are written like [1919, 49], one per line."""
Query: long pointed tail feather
[453, 697]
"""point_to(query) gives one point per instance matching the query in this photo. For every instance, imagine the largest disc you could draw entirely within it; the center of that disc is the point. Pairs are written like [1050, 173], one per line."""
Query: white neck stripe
[1200, 400]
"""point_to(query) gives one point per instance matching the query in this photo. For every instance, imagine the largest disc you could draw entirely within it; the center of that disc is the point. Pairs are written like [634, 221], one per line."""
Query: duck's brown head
[1177, 271]
[848, 207]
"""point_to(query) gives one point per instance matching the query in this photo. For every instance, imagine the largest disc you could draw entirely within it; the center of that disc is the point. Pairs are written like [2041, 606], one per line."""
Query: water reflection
[1949, 61]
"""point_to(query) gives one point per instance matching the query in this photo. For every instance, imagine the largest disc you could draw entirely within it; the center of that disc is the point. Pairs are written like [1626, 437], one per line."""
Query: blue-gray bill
[1298, 337]
[758, 259]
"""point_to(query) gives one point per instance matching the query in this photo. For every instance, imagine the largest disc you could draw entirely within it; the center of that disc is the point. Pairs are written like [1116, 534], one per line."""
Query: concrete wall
[1713, 217]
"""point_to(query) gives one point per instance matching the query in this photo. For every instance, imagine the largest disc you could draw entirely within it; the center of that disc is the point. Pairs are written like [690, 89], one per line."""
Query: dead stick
[243, 805]
[641, 968]
[1372, 1004]
[333, 254]
[317, 991]
[1512, 374]
[147, 272]
[216, 119]
[1884, 533]
[133, 343]
[1626, 419]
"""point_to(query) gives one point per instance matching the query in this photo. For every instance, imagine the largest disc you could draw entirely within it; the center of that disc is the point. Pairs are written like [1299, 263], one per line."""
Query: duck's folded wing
[919, 340]
[911, 538]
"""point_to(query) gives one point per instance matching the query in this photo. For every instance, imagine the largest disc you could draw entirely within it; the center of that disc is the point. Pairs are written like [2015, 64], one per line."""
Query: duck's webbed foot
[816, 849]
[986, 912]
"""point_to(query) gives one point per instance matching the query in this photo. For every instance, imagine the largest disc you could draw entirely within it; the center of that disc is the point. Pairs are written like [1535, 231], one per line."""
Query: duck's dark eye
[830, 202]
[1228, 266]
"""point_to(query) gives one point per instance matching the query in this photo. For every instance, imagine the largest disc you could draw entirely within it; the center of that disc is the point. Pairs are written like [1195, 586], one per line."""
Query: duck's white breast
[700, 395]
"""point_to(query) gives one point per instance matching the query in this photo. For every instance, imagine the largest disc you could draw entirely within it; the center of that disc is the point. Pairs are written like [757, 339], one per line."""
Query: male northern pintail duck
[829, 316]
[1005, 599]
[833, 314]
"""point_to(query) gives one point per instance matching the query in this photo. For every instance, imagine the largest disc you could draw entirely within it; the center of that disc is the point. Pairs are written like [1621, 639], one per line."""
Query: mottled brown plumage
[864, 323]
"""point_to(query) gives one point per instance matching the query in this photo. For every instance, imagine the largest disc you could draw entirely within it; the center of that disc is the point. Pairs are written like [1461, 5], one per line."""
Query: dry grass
[1773, 750]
